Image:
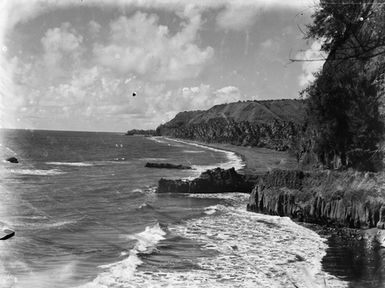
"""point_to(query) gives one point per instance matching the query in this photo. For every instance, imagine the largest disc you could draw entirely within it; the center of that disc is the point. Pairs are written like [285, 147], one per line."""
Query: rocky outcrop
[12, 160]
[271, 124]
[353, 200]
[167, 166]
[211, 181]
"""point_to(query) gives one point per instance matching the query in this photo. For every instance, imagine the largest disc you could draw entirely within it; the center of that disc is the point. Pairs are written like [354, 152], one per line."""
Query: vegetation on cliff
[343, 111]
[270, 124]
[345, 199]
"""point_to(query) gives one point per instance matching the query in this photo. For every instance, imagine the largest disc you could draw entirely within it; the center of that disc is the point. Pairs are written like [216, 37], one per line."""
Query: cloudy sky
[74, 64]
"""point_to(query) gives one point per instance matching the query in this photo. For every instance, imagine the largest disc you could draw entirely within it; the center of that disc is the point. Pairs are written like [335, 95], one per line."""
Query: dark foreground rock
[12, 160]
[212, 181]
[354, 200]
[166, 166]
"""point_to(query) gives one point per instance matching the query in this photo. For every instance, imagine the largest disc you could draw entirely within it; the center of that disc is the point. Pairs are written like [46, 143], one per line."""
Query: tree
[343, 111]
[343, 102]
[349, 29]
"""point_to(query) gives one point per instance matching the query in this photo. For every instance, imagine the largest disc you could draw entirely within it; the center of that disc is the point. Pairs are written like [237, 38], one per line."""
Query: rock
[212, 181]
[381, 221]
[335, 199]
[166, 166]
[12, 160]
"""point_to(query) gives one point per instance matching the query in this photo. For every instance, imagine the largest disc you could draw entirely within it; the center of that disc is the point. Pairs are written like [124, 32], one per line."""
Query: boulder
[211, 181]
[12, 160]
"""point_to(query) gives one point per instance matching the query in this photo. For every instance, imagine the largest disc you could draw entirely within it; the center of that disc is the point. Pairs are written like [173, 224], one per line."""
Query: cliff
[342, 199]
[271, 124]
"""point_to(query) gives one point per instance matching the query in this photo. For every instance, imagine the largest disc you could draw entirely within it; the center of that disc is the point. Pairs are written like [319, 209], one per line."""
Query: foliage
[349, 29]
[343, 102]
[343, 109]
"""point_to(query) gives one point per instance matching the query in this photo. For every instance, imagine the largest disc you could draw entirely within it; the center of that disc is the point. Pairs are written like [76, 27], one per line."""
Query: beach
[256, 160]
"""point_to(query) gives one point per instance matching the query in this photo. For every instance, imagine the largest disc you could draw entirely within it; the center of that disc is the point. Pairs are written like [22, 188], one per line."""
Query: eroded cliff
[345, 199]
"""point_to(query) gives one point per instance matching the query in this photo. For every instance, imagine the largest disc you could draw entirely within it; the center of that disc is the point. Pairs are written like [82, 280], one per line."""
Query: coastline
[349, 252]
[256, 160]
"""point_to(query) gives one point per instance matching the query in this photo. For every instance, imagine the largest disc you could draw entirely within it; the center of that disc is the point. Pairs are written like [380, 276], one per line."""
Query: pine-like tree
[343, 102]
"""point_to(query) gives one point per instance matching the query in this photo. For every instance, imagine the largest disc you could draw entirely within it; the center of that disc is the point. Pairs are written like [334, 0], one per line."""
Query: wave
[36, 172]
[193, 151]
[233, 160]
[253, 250]
[45, 225]
[119, 274]
[78, 164]
[153, 159]
[147, 240]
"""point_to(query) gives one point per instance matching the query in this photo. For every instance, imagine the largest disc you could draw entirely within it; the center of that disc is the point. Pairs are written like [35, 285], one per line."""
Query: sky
[75, 64]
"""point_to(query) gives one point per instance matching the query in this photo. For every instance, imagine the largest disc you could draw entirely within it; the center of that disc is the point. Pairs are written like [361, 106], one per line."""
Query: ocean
[86, 214]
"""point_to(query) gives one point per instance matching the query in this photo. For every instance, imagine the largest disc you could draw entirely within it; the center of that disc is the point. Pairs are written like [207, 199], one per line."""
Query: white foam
[37, 172]
[233, 160]
[121, 273]
[148, 238]
[255, 250]
[153, 159]
[78, 164]
[193, 151]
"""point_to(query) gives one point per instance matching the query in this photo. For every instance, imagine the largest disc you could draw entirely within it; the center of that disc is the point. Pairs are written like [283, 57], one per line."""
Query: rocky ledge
[212, 181]
[167, 166]
[340, 199]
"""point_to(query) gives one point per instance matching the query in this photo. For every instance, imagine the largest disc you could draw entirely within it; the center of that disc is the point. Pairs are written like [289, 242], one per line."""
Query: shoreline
[358, 257]
[256, 160]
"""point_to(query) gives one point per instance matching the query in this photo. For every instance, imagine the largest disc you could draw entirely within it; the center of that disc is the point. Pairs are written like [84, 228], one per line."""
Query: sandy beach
[256, 160]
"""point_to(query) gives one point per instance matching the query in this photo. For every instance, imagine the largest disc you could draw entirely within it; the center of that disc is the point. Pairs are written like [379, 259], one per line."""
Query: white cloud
[313, 61]
[94, 91]
[228, 94]
[139, 44]
[94, 27]
[61, 42]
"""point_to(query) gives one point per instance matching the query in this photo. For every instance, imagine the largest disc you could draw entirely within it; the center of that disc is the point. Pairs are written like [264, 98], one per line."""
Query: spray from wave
[121, 273]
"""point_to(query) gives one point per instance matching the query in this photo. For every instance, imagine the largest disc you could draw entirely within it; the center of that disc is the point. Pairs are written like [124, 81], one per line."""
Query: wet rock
[212, 181]
[167, 166]
[381, 221]
[322, 198]
[12, 160]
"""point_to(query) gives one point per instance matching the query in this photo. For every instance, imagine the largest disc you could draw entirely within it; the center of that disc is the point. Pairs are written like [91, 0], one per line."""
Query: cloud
[94, 27]
[228, 94]
[236, 14]
[60, 43]
[309, 66]
[139, 44]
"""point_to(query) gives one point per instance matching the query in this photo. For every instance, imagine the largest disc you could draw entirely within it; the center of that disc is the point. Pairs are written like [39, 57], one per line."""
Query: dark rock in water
[166, 166]
[6, 234]
[12, 160]
[212, 181]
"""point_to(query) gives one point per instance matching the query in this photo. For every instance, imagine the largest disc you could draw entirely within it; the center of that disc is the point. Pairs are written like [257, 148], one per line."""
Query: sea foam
[36, 172]
[121, 273]
[233, 160]
[254, 250]
[78, 164]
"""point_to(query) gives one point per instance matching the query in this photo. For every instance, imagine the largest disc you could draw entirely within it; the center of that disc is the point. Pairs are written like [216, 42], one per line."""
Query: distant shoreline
[257, 160]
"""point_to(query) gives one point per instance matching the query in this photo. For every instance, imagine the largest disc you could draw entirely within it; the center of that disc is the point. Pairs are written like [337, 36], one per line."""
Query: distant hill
[269, 123]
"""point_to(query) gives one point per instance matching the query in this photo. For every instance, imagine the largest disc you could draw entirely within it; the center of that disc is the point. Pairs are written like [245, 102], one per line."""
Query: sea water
[86, 214]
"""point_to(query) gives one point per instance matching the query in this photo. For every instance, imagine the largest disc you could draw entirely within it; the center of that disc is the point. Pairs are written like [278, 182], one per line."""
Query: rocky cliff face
[353, 200]
[271, 124]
